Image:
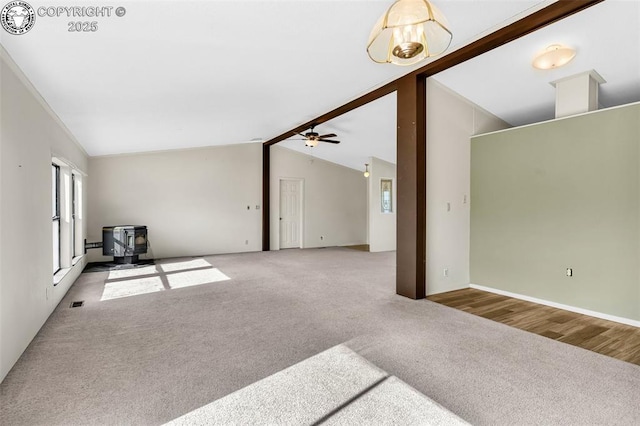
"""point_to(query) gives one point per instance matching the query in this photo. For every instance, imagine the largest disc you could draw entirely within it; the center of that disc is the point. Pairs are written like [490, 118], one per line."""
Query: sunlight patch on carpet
[184, 265]
[191, 278]
[119, 289]
[337, 386]
[134, 272]
[159, 277]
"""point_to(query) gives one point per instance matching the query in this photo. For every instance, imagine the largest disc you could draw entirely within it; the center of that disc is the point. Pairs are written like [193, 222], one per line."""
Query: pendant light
[408, 32]
[366, 170]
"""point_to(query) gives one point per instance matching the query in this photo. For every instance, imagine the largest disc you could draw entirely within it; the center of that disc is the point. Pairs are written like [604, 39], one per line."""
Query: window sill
[58, 276]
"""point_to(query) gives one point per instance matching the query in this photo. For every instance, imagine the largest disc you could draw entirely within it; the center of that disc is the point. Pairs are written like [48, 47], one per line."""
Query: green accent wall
[556, 195]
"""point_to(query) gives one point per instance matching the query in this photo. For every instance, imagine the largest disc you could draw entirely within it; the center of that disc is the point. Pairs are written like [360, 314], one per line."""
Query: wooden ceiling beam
[349, 106]
[530, 23]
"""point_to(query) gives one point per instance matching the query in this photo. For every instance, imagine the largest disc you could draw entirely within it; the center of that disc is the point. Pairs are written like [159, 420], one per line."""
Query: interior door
[290, 214]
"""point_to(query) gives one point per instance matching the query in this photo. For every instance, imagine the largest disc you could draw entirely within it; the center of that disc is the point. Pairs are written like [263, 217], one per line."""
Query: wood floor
[360, 247]
[605, 337]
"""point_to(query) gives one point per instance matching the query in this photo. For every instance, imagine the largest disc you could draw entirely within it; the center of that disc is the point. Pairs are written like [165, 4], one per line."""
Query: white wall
[334, 199]
[451, 121]
[382, 226]
[193, 202]
[30, 136]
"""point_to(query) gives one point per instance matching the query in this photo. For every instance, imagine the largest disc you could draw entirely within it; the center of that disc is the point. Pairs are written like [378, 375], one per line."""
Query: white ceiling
[606, 38]
[181, 74]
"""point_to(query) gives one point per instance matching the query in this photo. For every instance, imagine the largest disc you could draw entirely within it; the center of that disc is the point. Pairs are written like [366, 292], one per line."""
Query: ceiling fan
[312, 138]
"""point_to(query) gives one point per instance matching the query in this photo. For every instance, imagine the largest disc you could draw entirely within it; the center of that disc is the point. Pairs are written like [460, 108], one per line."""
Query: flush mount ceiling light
[366, 170]
[554, 56]
[408, 32]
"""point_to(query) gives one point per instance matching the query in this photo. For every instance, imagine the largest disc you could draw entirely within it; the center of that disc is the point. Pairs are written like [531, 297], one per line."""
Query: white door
[290, 214]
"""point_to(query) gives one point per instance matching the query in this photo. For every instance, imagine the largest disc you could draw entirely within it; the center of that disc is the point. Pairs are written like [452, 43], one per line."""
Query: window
[386, 195]
[66, 212]
[55, 212]
[73, 215]
[77, 242]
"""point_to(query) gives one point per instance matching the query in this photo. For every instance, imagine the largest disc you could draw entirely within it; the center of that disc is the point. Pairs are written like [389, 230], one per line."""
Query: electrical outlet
[569, 272]
[445, 272]
[448, 207]
[246, 242]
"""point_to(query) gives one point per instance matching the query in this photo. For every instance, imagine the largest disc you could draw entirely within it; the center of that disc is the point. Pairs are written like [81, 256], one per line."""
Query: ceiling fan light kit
[408, 32]
[554, 56]
[311, 138]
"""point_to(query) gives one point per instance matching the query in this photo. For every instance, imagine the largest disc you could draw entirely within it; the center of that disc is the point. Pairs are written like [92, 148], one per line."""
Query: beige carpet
[147, 349]
[336, 387]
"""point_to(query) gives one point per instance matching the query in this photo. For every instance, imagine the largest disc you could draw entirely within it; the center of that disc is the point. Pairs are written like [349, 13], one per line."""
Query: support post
[266, 197]
[411, 211]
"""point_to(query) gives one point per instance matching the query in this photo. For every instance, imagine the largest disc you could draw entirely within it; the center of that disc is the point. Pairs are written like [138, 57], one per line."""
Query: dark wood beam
[411, 212]
[266, 197]
[535, 21]
[350, 106]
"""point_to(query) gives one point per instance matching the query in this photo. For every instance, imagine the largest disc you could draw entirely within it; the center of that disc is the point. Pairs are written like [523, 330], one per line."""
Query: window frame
[56, 213]
[73, 215]
[384, 184]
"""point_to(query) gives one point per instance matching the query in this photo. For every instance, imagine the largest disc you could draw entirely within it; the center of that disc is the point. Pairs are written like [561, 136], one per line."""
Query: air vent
[77, 304]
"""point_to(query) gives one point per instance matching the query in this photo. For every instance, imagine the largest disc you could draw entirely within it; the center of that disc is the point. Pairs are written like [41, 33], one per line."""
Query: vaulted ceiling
[182, 74]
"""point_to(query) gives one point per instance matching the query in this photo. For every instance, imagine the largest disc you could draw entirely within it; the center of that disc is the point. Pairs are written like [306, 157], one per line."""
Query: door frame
[300, 209]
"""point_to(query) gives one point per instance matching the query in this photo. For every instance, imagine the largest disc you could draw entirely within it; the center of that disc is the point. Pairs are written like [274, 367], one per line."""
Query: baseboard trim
[460, 287]
[583, 311]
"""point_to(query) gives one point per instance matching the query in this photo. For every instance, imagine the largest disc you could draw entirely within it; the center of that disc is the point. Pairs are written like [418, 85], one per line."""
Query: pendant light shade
[408, 32]
[366, 170]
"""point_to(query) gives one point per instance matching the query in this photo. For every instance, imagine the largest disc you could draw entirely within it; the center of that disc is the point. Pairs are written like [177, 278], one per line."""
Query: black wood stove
[124, 242]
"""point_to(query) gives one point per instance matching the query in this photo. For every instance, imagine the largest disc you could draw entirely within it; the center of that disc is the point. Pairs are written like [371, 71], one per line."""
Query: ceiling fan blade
[328, 135]
[327, 140]
[304, 136]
